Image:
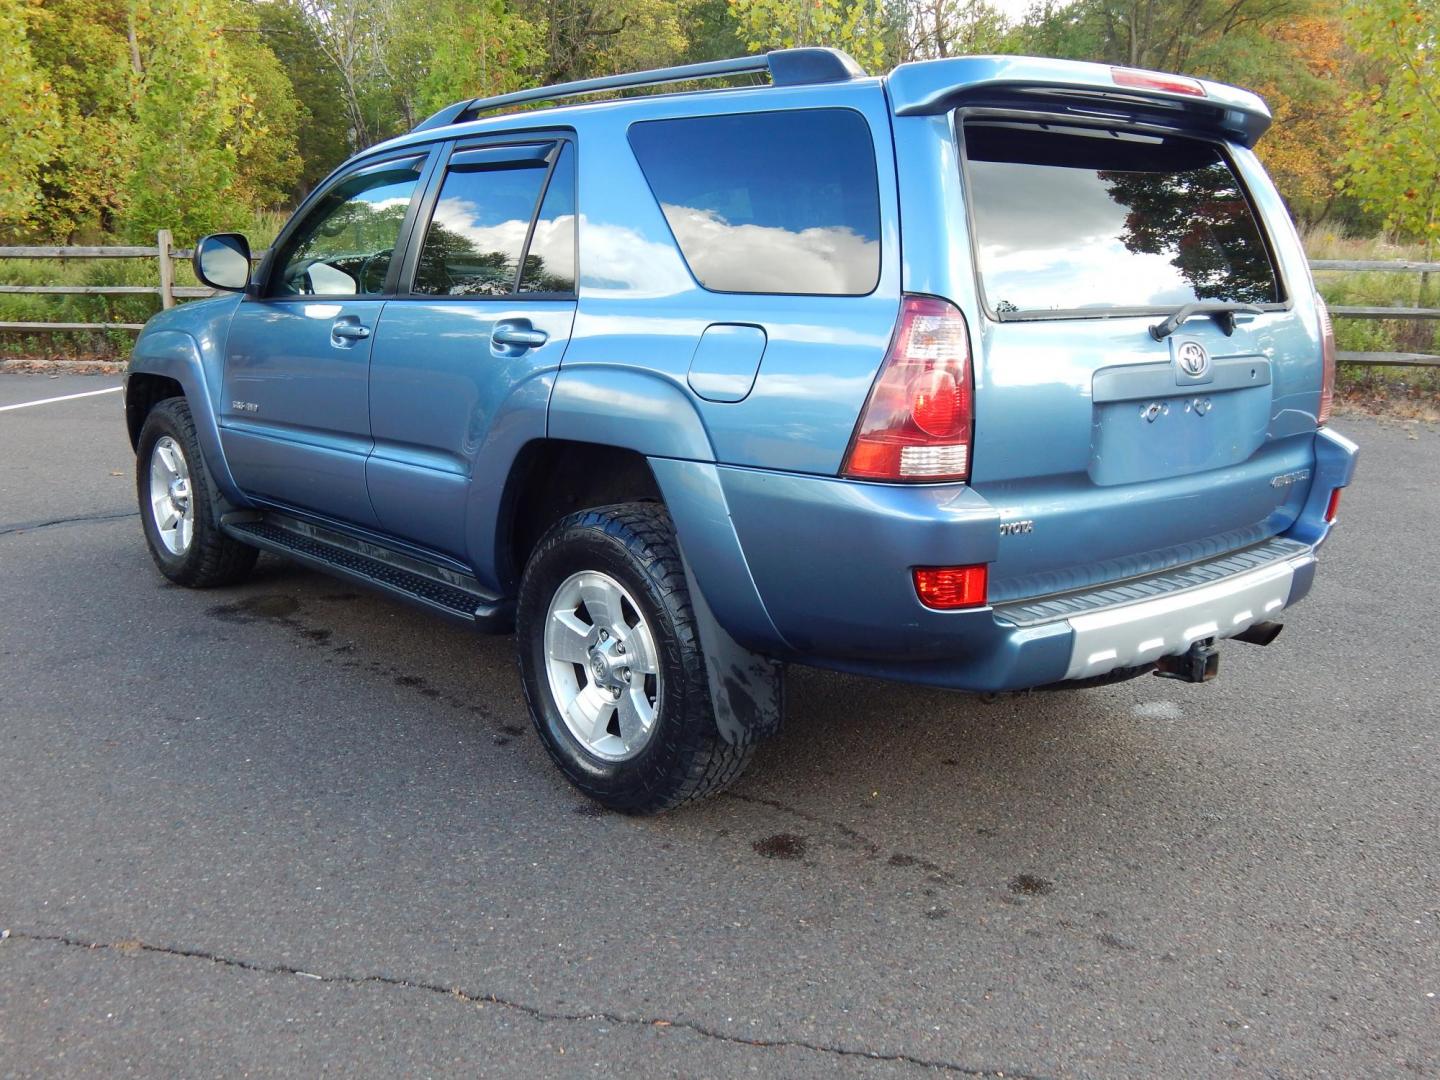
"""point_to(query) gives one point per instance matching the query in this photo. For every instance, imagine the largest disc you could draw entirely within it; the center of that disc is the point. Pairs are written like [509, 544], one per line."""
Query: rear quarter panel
[640, 308]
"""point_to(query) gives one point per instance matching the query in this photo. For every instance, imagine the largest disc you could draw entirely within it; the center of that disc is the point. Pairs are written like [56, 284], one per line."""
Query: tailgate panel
[1145, 426]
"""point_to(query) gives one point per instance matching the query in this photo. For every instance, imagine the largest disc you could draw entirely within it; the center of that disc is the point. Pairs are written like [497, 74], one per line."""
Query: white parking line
[67, 397]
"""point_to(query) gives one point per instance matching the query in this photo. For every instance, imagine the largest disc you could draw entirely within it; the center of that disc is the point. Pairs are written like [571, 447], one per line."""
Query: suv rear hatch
[1112, 447]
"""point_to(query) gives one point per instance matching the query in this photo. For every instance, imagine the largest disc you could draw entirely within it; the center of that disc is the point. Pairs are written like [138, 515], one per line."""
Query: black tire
[212, 557]
[685, 757]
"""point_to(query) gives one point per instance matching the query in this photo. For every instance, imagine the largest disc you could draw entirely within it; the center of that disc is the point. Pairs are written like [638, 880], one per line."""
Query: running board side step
[437, 589]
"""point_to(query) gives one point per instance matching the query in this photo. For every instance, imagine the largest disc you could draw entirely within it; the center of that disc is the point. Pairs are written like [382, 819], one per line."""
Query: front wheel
[612, 665]
[177, 504]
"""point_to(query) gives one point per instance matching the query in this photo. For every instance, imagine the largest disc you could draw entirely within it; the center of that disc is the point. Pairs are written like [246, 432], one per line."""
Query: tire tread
[215, 558]
[702, 762]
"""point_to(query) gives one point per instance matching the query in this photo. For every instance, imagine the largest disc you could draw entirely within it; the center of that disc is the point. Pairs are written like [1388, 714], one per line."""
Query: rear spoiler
[1177, 102]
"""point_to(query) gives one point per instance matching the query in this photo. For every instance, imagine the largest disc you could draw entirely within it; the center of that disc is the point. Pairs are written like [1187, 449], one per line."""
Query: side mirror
[222, 261]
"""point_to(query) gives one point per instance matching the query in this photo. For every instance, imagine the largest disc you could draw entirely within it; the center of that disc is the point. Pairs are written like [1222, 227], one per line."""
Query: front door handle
[519, 337]
[350, 331]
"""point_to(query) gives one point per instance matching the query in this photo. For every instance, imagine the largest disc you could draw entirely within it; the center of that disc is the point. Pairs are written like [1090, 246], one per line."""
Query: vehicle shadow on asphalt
[917, 777]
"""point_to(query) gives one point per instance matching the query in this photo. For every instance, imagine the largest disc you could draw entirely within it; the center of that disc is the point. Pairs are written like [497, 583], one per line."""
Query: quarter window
[346, 244]
[777, 202]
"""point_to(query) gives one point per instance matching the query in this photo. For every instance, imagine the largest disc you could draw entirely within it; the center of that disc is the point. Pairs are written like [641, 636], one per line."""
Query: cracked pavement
[292, 827]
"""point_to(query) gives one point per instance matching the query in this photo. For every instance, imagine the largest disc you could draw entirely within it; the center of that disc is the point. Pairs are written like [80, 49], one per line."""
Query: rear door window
[777, 202]
[1089, 220]
[484, 226]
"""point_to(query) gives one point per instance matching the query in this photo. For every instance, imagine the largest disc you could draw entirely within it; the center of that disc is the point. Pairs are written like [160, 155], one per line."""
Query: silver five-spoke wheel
[171, 503]
[602, 665]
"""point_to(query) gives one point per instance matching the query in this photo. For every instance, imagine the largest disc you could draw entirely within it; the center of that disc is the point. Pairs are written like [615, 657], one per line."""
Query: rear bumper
[1138, 633]
[827, 563]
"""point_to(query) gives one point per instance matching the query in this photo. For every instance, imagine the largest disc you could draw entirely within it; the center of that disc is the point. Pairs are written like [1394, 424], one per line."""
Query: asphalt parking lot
[294, 828]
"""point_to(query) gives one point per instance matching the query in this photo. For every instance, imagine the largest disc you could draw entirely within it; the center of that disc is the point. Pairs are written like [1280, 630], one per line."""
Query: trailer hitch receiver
[1199, 663]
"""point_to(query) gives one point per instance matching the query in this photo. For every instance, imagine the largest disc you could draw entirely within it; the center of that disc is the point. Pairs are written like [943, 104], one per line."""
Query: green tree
[30, 131]
[322, 128]
[940, 28]
[712, 32]
[1167, 35]
[352, 36]
[187, 120]
[870, 31]
[438, 52]
[268, 162]
[1393, 159]
[584, 38]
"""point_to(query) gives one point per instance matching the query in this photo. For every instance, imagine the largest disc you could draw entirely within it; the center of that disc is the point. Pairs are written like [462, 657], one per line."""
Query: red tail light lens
[1151, 80]
[1332, 510]
[1327, 354]
[918, 421]
[948, 587]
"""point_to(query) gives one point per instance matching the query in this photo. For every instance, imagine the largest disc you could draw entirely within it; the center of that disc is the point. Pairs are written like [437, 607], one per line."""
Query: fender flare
[176, 355]
[647, 413]
[629, 409]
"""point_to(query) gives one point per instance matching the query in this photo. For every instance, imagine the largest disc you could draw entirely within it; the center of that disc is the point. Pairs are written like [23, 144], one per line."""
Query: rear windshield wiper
[1221, 311]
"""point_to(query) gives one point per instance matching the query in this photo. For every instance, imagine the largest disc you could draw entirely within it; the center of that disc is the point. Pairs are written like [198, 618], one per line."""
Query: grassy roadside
[1404, 393]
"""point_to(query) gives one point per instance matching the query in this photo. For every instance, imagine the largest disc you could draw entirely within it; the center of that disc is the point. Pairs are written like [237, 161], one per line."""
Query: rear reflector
[1150, 80]
[919, 417]
[950, 587]
[1334, 506]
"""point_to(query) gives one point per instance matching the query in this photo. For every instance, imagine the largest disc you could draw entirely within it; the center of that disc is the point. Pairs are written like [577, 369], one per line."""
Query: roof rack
[786, 67]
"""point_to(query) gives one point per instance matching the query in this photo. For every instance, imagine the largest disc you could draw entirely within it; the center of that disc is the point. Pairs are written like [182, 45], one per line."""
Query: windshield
[1073, 218]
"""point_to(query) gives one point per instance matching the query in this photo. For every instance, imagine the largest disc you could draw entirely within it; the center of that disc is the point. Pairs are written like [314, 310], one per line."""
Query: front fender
[187, 345]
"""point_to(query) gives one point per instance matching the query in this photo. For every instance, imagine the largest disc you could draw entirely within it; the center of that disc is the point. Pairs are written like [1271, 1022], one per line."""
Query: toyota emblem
[1193, 359]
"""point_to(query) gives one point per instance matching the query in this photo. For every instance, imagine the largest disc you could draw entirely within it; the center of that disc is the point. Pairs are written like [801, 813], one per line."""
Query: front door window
[346, 244]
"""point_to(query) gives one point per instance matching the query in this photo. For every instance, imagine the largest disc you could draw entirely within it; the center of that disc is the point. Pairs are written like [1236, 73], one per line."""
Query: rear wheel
[177, 504]
[612, 666]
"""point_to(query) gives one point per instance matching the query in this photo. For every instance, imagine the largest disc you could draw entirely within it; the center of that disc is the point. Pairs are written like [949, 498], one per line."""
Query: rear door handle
[350, 331]
[519, 337]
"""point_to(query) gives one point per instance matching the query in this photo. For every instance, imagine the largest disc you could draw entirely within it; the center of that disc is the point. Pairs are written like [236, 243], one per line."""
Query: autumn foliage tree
[29, 116]
[1393, 134]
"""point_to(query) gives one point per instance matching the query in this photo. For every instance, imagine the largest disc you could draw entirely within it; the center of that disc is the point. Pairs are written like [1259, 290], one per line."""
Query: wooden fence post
[164, 241]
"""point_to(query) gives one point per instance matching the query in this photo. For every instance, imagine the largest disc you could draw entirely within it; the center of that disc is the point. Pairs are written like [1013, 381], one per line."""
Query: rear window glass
[779, 202]
[1075, 219]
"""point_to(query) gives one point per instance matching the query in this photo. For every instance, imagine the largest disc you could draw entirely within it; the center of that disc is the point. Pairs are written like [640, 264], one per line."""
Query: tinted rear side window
[780, 202]
[477, 233]
[550, 262]
[1069, 220]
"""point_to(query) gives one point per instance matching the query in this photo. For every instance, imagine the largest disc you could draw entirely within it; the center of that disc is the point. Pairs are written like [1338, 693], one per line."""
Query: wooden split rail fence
[165, 253]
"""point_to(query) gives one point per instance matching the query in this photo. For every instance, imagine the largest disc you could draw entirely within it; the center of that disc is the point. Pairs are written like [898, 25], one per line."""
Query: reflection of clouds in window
[614, 257]
[1089, 275]
[461, 217]
[463, 257]
[379, 206]
[765, 258]
[1083, 221]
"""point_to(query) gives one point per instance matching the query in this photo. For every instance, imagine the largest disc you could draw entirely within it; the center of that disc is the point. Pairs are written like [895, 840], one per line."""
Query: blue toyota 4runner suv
[993, 373]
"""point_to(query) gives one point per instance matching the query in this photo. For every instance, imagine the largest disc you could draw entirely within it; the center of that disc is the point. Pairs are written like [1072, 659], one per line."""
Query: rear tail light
[918, 421]
[1327, 358]
[1332, 509]
[1151, 80]
[950, 587]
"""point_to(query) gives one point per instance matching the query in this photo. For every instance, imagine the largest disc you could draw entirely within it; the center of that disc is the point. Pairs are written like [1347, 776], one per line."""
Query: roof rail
[786, 67]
